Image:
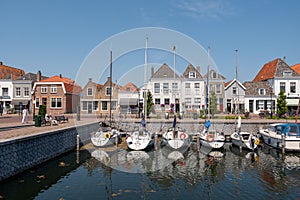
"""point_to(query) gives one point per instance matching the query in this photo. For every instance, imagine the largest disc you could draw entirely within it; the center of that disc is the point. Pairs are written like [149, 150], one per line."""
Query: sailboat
[107, 135]
[140, 138]
[244, 139]
[176, 138]
[210, 137]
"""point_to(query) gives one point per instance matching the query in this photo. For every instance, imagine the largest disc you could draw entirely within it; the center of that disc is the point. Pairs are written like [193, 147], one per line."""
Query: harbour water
[94, 173]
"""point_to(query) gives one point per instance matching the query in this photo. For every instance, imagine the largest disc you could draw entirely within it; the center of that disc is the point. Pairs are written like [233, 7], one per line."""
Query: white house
[235, 96]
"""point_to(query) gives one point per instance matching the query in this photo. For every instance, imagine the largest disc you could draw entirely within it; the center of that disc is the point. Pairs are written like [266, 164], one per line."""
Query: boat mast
[145, 78]
[236, 84]
[207, 85]
[110, 86]
[173, 86]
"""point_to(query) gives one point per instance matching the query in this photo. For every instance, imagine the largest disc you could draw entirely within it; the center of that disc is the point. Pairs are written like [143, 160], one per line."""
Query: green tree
[149, 102]
[281, 104]
[42, 111]
[213, 104]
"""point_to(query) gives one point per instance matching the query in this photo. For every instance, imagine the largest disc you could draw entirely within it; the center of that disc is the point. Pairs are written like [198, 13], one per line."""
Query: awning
[17, 102]
[292, 102]
[128, 102]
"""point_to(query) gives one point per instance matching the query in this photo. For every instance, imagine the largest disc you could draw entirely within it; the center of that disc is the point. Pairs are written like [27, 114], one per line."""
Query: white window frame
[56, 102]
[192, 74]
[26, 91]
[89, 91]
[18, 92]
[156, 88]
[106, 91]
[53, 89]
[43, 89]
[261, 91]
[165, 88]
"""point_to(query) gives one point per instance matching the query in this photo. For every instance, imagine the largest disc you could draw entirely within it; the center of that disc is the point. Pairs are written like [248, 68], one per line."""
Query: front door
[90, 107]
[229, 107]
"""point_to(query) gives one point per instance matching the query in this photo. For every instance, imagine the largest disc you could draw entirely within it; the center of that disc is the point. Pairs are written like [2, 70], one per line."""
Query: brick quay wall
[20, 154]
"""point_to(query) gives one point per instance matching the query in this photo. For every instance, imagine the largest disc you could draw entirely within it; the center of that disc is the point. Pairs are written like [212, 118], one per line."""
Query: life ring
[107, 135]
[210, 137]
[182, 136]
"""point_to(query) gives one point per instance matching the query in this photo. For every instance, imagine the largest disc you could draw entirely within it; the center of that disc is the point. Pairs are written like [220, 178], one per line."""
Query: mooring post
[77, 142]
[283, 143]
[198, 142]
[155, 140]
[117, 140]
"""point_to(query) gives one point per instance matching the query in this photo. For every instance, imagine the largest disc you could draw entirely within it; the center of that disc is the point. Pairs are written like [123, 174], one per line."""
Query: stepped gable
[164, 72]
[8, 72]
[191, 68]
[274, 68]
[129, 87]
[296, 68]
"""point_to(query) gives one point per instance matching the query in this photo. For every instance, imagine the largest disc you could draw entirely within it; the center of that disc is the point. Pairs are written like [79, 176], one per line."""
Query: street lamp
[271, 105]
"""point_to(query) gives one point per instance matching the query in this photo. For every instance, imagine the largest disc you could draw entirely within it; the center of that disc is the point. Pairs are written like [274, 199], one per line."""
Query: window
[197, 85]
[108, 91]
[218, 89]
[165, 88]
[53, 89]
[282, 86]
[286, 73]
[214, 75]
[187, 85]
[113, 105]
[175, 87]
[261, 91]
[156, 88]
[157, 101]
[90, 92]
[26, 91]
[44, 89]
[293, 87]
[197, 100]
[192, 74]
[56, 103]
[44, 101]
[4, 92]
[128, 89]
[167, 101]
[95, 105]
[37, 102]
[188, 102]
[84, 105]
[234, 90]
[18, 92]
[104, 105]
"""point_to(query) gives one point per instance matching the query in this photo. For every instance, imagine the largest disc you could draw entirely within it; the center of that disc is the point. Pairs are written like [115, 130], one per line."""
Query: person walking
[25, 115]
[1, 109]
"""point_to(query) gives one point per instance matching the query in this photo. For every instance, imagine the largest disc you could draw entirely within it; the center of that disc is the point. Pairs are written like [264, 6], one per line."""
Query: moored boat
[105, 136]
[282, 135]
[211, 138]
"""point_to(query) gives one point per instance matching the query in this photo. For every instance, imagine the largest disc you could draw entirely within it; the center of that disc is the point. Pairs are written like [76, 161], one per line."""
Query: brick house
[59, 94]
[89, 100]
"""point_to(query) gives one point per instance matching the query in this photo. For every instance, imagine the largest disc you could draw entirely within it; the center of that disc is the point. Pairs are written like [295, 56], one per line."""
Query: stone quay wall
[20, 154]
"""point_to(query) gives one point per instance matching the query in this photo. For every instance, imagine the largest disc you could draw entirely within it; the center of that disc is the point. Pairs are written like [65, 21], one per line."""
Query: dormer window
[287, 73]
[214, 74]
[192, 74]
[90, 92]
[261, 91]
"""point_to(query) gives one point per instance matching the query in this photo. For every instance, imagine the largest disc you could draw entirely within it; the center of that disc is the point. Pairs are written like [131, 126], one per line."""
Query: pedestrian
[1, 109]
[25, 115]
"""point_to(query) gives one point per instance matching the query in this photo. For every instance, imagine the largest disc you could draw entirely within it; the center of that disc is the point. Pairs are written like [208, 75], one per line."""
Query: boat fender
[107, 135]
[182, 136]
[210, 137]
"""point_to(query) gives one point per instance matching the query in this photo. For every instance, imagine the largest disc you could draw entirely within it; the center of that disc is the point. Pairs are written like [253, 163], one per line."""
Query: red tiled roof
[70, 85]
[267, 71]
[227, 83]
[296, 68]
[5, 71]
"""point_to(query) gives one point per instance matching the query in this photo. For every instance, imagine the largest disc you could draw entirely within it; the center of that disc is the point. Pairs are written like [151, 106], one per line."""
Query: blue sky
[58, 36]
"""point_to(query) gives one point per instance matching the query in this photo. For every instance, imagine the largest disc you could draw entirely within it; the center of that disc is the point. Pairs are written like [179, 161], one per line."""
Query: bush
[42, 111]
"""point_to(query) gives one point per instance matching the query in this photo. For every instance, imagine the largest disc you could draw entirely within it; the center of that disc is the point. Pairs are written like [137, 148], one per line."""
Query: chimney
[152, 71]
[60, 75]
[1, 63]
[90, 79]
[38, 76]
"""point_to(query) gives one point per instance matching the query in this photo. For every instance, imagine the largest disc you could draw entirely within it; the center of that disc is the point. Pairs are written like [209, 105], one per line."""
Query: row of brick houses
[179, 93]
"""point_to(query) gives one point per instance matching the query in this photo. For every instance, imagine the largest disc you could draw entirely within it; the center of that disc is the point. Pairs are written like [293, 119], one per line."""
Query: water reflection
[193, 174]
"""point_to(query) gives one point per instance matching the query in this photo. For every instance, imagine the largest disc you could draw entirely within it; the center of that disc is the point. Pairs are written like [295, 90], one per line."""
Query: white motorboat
[282, 135]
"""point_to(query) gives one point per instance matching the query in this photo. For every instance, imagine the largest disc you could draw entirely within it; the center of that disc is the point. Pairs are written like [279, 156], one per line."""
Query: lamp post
[271, 114]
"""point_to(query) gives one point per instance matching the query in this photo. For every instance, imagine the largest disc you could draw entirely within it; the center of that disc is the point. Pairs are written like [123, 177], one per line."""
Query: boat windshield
[293, 130]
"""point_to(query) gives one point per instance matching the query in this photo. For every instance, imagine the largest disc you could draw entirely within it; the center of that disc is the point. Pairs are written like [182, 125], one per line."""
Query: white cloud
[207, 8]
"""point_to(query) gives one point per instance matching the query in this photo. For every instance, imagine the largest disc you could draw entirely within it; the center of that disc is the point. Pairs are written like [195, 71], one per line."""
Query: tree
[281, 105]
[213, 103]
[149, 102]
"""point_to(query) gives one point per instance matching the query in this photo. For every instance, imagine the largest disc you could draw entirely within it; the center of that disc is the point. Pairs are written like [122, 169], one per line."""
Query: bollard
[117, 140]
[77, 142]
[198, 142]
[155, 141]
[283, 143]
